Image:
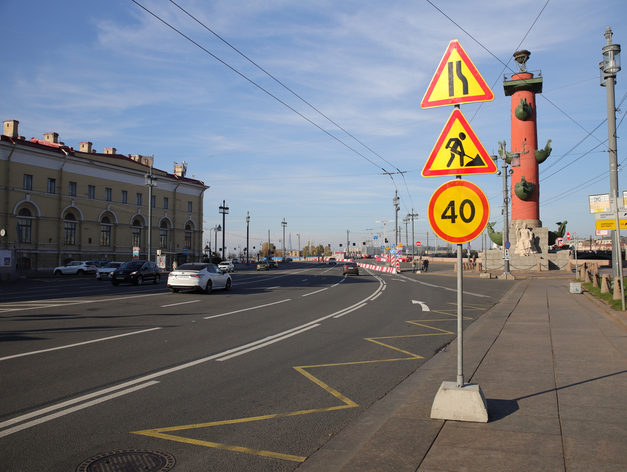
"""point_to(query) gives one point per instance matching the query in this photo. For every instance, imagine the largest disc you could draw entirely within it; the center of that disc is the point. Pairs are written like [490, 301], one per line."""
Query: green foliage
[606, 297]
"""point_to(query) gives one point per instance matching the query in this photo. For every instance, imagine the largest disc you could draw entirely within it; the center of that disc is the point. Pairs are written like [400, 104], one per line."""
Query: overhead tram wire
[282, 84]
[398, 171]
[259, 86]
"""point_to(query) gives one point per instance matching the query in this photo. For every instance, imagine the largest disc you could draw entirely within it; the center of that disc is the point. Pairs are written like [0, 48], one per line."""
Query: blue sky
[113, 74]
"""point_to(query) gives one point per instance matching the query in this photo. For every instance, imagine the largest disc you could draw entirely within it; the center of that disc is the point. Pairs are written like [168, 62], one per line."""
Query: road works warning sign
[456, 80]
[458, 151]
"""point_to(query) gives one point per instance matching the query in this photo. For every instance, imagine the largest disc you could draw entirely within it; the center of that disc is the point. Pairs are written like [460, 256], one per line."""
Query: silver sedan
[202, 277]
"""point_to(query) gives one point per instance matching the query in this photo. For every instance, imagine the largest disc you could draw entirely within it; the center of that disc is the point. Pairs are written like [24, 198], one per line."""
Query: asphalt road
[256, 378]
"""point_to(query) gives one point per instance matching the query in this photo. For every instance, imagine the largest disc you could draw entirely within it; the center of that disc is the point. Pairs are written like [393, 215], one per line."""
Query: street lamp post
[247, 236]
[396, 208]
[298, 234]
[225, 211]
[151, 181]
[215, 230]
[284, 224]
[413, 215]
[609, 68]
[514, 160]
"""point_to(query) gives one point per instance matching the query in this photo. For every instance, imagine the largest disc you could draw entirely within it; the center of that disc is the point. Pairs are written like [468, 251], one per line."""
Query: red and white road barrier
[389, 270]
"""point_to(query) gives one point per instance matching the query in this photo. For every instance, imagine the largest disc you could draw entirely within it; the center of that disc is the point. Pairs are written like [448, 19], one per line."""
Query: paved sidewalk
[553, 367]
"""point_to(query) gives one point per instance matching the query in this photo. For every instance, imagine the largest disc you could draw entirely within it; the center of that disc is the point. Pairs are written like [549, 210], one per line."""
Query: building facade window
[69, 230]
[52, 186]
[163, 235]
[188, 236]
[105, 232]
[137, 233]
[166, 203]
[138, 198]
[190, 207]
[91, 192]
[25, 226]
[28, 182]
[71, 191]
[108, 194]
[124, 196]
[154, 201]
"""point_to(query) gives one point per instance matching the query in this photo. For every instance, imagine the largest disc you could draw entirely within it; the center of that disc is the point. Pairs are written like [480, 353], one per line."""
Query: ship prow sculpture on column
[529, 241]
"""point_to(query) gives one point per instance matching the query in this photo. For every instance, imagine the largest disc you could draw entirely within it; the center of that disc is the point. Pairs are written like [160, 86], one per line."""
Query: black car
[350, 268]
[136, 272]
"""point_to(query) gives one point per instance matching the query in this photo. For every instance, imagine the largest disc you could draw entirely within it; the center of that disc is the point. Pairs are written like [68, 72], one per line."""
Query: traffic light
[386, 240]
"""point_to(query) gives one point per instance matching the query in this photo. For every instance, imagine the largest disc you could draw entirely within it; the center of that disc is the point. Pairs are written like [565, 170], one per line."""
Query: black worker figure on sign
[457, 150]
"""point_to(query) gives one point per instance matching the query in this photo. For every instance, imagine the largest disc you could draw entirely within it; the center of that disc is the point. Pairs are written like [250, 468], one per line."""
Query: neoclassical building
[59, 204]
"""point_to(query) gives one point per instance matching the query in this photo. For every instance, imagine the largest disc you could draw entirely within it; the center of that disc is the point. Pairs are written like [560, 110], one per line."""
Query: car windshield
[193, 267]
[132, 265]
[112, 265]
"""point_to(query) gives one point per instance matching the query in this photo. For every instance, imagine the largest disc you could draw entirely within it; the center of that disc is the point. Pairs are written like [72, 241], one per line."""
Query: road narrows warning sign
[458, 151]
[456, 81]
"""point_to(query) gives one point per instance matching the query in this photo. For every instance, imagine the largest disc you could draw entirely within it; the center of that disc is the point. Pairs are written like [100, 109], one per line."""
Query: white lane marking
[181, 303]
[150, 377]
[348, 310]
[247, 309]
[317, 291]
[446, 288]
[272, 288]
[245, 351]
[422, 304]
[53, 416]
[77, 344]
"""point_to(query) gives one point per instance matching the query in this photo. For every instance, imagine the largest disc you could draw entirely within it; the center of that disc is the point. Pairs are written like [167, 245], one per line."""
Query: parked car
[332, 261]
[263, 265]
[136, 272]
[273, 264]
[199, 276]
[226, 266]
[106, 271]
[350, 267]
[75, 268]
[98, 263]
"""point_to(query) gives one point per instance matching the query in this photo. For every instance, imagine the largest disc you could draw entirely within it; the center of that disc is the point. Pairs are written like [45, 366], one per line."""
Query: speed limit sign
[458, 211]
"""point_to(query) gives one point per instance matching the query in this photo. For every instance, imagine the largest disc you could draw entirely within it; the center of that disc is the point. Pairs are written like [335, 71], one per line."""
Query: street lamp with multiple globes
[610, 66]
[215, 230]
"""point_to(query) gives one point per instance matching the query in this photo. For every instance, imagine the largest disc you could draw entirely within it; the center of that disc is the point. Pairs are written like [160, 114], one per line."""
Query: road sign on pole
[458, 151]
[458, 211]
[456, 81]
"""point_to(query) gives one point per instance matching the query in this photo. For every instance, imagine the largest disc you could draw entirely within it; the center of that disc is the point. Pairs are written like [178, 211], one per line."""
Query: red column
[524, 141]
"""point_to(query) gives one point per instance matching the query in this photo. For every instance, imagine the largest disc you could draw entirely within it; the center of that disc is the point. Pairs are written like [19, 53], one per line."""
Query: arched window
[69, 233]
[188, 236]
[25, 225]
[163, 235]
[105, 231]
[137, 233]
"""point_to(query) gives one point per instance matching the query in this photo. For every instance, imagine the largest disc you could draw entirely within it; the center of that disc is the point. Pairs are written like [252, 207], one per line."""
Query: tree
[264, 250]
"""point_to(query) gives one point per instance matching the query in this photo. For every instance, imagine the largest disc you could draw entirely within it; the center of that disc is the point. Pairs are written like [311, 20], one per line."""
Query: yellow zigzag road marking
[346, 402]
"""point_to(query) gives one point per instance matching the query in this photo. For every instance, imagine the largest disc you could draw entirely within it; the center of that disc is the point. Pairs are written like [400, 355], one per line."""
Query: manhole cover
[130, 460]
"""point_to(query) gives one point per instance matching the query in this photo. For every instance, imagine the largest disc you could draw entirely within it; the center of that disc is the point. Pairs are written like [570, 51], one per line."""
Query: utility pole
[413, 215]
[347, 244]
[151, 181]
[247, 236]
[396, 208]
[284, 224]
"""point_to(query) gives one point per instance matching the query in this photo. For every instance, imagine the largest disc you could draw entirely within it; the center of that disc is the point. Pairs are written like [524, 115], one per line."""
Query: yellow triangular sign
[458, 151]
[456, 80]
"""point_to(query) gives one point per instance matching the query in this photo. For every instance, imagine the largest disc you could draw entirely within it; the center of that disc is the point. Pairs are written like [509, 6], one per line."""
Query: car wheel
[208, 287]
[228, 285]
[174, 290]
[157, 279]
[80, 272]
[115, 284]
[139, 280]
[58, 273]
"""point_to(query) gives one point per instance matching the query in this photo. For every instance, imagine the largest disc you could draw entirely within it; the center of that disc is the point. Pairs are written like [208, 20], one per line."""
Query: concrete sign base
[455, 403]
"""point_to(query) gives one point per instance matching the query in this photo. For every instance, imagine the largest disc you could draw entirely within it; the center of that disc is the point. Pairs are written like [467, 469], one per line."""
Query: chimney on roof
[10, 128]
[111, 151]
[85, 147]
[51, 138]
[180, 169]
[145, 160]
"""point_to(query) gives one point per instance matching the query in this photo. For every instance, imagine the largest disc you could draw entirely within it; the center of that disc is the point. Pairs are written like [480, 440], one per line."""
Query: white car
[106, 271]
[199, 276]
[75, 268]
[226, 266]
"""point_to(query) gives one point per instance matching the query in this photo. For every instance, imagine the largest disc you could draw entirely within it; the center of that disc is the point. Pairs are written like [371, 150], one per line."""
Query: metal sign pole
[460, 317]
